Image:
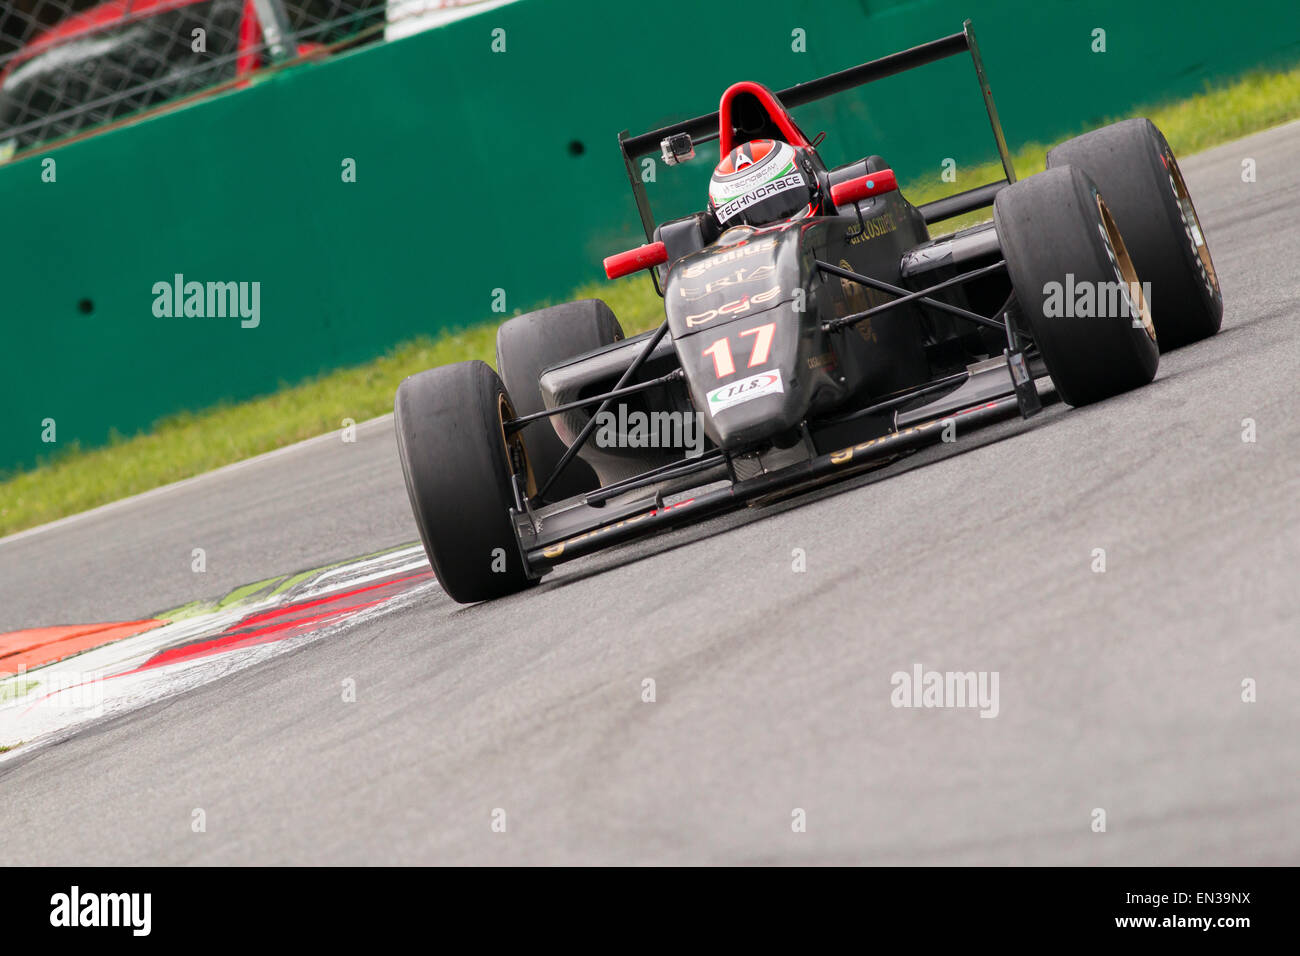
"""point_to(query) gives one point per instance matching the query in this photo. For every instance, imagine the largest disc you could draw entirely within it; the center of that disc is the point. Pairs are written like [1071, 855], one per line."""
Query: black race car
[812, 328]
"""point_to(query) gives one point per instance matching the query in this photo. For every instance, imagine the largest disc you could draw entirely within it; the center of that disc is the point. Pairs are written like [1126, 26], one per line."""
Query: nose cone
[739, 338]
[751, 408]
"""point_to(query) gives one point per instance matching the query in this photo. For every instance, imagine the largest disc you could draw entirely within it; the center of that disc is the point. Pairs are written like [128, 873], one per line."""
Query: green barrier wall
[480, 171]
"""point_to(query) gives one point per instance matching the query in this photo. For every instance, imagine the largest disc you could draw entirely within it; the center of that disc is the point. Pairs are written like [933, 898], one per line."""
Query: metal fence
[68, 66]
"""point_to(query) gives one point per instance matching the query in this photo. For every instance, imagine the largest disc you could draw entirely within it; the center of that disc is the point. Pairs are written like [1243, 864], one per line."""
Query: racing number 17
[720, 350]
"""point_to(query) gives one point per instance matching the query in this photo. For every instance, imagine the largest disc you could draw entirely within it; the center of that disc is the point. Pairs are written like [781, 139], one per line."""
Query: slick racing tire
[530, 344]
[1135, 170]
[458, 464]
[1058, 237]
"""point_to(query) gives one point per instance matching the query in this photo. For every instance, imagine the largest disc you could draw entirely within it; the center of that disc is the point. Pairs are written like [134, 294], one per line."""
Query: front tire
[458, 464]
[1058, 236]
[1136, 171]
[526, 347]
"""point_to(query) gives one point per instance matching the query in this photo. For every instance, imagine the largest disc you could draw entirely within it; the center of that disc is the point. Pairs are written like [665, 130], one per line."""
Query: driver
[762, 182]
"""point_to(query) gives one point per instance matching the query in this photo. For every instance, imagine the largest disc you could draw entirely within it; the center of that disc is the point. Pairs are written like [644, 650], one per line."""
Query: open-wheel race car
[812, 329]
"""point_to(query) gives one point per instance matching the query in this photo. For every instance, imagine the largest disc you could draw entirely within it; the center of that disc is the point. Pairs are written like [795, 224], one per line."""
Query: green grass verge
[189, 444]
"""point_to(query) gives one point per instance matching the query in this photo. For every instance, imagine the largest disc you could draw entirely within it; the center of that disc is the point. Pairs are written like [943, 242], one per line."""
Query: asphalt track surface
[1118, 690]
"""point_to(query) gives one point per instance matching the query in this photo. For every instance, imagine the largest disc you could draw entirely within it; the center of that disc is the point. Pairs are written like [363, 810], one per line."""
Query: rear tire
[526, 347]
[1136, 172]
[1058, 236]
[458, 467]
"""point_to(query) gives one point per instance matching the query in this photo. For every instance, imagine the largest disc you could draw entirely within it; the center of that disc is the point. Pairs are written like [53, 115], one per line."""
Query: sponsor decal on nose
[744, 390]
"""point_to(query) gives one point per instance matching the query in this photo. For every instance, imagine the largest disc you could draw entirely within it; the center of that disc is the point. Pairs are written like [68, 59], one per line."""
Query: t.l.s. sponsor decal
[744, 390]
[732, 308]
[735, 254]
[737, 277]
[733, 208]
[872, 228]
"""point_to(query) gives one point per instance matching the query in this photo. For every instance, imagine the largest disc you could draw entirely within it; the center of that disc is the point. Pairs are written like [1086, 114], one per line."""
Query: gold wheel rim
[1192, 221]
[516, 453]
[1124, 264]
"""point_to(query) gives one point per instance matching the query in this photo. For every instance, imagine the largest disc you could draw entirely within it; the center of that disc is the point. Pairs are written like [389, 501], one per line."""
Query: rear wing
[703, 129]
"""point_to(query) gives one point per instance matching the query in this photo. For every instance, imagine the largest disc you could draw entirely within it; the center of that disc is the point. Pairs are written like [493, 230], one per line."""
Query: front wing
[588, 528]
